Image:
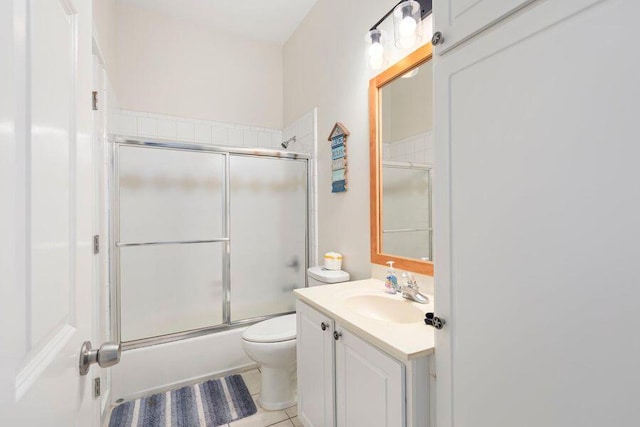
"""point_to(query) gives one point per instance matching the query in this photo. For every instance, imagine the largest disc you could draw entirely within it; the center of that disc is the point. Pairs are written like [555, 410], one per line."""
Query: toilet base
[277, 390]
[276, 407]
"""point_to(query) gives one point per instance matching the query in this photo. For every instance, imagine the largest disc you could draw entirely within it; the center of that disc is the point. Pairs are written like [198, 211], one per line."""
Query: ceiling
[267, 20]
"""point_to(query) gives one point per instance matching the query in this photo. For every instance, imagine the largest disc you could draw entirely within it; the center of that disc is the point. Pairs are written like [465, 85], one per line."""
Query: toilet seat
[278, 329]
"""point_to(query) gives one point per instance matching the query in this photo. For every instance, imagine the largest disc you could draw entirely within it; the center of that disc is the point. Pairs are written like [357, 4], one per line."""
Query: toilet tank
[320, 276]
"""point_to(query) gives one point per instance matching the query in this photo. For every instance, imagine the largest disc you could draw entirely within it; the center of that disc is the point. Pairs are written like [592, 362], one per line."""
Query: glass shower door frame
[115, 244]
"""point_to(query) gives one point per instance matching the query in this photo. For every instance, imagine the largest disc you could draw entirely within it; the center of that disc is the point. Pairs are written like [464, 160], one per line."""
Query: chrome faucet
[411, 290]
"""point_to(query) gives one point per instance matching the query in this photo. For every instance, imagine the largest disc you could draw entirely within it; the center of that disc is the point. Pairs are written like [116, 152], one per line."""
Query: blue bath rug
[207, 404]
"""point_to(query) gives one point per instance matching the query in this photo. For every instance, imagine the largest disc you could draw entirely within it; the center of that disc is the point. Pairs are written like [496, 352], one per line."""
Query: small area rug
[207, 404]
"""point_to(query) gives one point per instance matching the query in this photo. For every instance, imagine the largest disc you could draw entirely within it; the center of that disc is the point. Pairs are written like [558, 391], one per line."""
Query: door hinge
[96, 244]
[94, 100]
[96, 387]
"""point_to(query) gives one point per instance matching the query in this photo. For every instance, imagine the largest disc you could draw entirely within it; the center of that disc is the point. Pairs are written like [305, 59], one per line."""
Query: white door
[458, 20]
[538, 220]
[315, 367]
[370, 385]
[46, 216]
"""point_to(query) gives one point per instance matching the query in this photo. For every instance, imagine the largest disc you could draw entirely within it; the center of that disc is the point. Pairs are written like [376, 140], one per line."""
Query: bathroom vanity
[363, 357]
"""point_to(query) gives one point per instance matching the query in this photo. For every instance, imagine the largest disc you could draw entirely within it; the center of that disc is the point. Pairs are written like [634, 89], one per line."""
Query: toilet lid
[281, 328]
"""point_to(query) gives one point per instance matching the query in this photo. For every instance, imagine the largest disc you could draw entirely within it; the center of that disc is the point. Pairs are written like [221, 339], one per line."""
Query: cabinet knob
[437, 38]
[324, 326]
[433, 320]
[337, 335]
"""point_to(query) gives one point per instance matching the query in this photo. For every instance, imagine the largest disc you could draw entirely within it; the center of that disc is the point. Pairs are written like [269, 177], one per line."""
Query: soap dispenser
[391, 282]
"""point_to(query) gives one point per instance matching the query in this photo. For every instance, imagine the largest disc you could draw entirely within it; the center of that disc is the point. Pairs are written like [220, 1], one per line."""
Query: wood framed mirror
[401, 163]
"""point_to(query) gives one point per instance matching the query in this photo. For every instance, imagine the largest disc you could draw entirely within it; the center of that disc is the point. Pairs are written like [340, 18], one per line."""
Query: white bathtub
[146, 370]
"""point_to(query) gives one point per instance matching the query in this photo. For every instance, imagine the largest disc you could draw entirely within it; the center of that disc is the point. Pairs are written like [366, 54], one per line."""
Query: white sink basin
[384, 308]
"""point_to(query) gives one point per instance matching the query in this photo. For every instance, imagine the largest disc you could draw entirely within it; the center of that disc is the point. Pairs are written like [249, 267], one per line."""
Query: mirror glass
[405, 135]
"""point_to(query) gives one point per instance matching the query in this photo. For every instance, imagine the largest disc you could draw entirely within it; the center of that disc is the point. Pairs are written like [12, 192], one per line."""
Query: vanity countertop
[403, 340]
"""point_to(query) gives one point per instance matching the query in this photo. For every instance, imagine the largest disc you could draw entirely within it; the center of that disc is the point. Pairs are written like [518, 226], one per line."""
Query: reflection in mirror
[406, 125]
[406, 225]
[401, 163]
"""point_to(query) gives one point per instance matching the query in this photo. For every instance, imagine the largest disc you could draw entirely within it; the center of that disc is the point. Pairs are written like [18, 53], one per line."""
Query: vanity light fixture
[375, 38]
[407, 18]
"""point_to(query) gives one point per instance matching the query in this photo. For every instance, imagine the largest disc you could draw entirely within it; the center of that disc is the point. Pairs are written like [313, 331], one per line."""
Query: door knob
[437, 38]
[107, 355]
[337, 335]
[432, 320]
[324, 326]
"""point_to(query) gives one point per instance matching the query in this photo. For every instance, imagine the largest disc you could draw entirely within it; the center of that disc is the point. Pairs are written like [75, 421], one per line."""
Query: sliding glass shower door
[204, 238]
[171, 240]
[268, 231]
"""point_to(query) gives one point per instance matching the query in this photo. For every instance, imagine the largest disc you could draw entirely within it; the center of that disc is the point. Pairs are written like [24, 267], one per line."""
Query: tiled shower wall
[416, 149]
[305, 129]
[136, 123]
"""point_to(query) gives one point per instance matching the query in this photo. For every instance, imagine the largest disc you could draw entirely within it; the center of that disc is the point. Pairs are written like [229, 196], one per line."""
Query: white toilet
[272, 344]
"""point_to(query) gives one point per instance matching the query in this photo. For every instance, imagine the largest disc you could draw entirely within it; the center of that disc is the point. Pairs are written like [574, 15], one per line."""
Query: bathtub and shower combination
[205, 241]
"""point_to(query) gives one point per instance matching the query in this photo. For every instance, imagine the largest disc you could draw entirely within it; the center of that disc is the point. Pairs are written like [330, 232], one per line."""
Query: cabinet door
[458, 20]
[536, 132]
[370, 385]
[315, 347]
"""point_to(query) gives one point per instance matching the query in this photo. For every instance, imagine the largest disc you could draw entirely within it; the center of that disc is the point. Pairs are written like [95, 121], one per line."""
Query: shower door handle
[107, 355]
[295, 264]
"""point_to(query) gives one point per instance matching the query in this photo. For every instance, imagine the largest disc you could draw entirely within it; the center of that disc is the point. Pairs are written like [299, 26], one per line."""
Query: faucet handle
[411, 280]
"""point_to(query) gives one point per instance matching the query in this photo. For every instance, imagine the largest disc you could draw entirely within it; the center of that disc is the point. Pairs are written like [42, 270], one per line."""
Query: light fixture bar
[425, 9]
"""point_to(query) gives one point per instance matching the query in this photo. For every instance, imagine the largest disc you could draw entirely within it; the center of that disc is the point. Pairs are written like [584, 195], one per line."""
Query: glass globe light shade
[376, 50]
[376, 54]
[406, 24]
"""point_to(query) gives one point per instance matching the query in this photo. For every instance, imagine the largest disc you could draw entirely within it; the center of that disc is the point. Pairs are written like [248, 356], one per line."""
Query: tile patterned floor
[285, 418]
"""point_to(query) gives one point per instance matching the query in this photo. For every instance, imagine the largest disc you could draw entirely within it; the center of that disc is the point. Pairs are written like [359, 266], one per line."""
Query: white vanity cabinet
[458, 20]
[369, 384]
[344, 381]
[316, 372]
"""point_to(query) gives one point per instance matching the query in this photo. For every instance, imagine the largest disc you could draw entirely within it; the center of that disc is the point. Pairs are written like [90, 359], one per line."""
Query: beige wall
[170, 66]
[104, 31]
[407, 105]
[325, 66]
